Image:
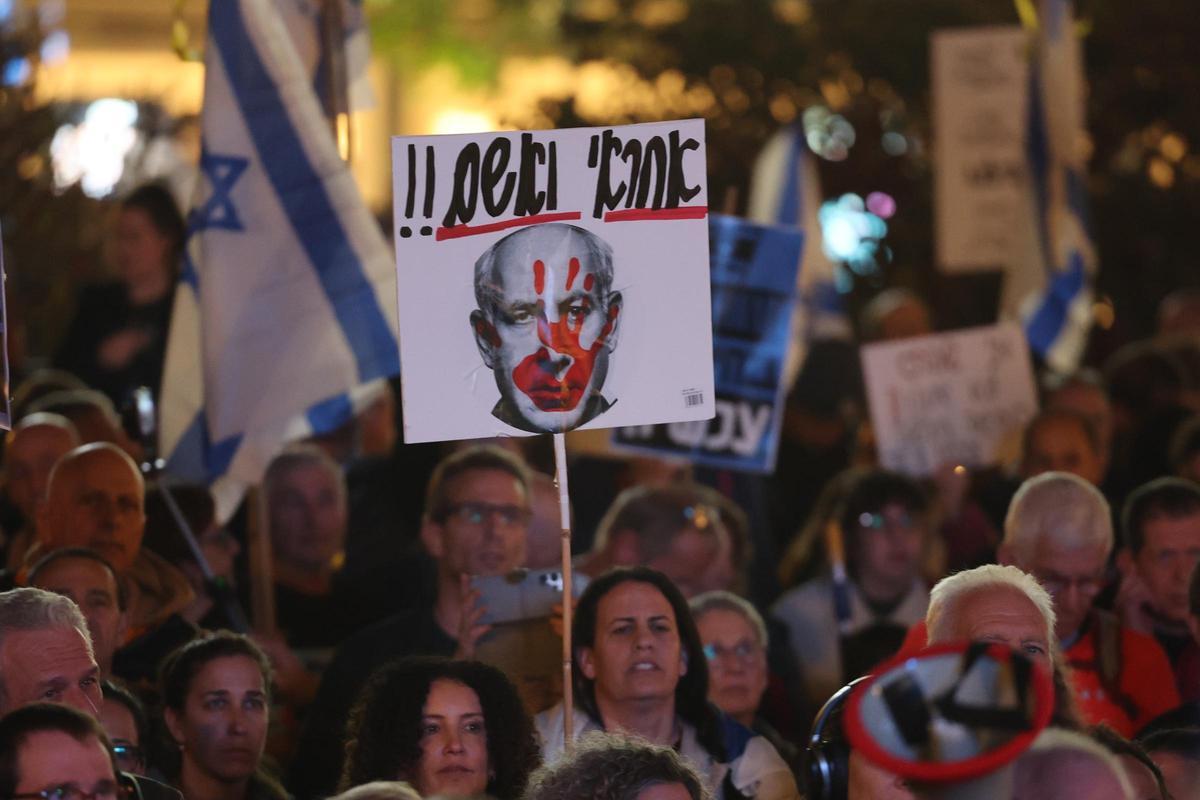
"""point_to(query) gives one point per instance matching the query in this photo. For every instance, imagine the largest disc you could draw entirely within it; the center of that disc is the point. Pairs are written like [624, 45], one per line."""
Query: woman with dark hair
[840, 630]
[216, 705]
[449, 728]
[639, 668]
[118, 338]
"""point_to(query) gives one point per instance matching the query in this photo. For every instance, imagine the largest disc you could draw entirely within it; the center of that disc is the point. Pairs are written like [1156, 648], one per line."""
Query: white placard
[949, 398]
[980, 93]
[552, 280]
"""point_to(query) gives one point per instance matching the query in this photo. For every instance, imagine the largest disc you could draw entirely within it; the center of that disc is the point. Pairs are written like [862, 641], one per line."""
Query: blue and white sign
[754, 271]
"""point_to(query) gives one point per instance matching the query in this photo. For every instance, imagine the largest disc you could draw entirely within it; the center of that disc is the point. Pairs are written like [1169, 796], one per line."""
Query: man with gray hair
[45, 652]
[546, 325]
[994, 604]
[1059, 530]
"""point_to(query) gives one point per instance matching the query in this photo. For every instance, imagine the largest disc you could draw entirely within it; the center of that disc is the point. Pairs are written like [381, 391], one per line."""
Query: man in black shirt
[476, 522]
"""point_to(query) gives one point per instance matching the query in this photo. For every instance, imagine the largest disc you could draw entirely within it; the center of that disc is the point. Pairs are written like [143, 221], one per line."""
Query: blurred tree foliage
[766, 61]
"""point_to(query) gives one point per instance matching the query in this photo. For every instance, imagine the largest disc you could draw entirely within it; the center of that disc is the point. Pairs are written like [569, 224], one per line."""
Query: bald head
[95, 499]
[33, 448]
[1063, 766]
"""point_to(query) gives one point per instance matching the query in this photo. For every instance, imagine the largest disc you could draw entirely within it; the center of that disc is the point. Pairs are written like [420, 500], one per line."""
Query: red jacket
[1145, 684]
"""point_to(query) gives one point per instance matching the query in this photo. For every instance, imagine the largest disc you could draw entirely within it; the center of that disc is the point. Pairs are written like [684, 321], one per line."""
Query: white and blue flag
[285, 313]
[785, 189]
[1058, 320]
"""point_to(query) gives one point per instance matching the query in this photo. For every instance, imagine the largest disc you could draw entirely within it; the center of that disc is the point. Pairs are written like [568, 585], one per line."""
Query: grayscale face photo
[546, 325]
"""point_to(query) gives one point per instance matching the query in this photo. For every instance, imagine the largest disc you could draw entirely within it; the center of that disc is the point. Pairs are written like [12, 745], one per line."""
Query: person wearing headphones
[834, 771]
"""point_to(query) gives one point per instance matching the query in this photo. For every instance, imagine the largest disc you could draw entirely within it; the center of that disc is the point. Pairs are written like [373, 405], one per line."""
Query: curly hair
[691, 693]
[383, 734]
[606, 766]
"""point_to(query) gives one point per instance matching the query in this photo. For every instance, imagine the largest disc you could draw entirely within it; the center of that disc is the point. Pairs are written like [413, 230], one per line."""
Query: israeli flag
[285, 314]
[1057, 321]
[785, 189]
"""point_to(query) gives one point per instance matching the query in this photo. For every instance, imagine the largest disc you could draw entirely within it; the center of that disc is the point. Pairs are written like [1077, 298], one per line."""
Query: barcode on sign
[693, 399]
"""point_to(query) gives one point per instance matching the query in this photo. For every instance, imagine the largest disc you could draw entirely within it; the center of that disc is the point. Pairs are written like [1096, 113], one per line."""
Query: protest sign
[753, 298]
[552, 280]
[949, 398]
[982, 192]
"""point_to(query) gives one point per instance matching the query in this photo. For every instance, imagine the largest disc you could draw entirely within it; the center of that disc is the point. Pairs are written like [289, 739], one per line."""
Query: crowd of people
[334, 636]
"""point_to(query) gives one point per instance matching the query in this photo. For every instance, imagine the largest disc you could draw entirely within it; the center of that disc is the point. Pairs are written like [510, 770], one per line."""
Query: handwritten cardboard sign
[949, 398]
[754, 296]
[552, 280]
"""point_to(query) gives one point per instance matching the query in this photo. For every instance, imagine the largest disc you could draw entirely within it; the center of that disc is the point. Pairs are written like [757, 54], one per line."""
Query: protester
[45, 652]
[1161, 521]
[216, 704]
[608, 766]
[306, 506]
[96, 499]
[124, 720]
[118, 338]
[1083, 392]
[476, 519]
[676, 529]
[735, 640]
[1177, 754]
[1064, 765]
[895, 314]
[884, 518]
[379, 790]
[1059, 530]
[639, 668]
[52, 751]
[994, 604]
[90, 582]
[1002, 604]
[92, 413]
[834, 770]
[1062, 440]
[30, 452]
[450, 728]
[1145, 778]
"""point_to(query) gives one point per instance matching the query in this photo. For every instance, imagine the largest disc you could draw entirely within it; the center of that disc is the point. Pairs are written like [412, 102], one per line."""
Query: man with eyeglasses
[54, 752]
[475, 524]
[1059, 530]
[46, 657]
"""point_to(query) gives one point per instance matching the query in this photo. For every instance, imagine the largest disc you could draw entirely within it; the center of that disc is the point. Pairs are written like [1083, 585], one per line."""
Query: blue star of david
[218, 211]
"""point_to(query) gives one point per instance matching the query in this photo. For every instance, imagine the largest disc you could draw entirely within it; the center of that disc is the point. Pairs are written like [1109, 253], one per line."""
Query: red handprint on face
[558, 373]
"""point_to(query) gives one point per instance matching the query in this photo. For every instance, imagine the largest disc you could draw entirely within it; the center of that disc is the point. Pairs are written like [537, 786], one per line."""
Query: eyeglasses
[129, 756]
[475, 514]
[878, 522]
[1058, 584]
[744, 652]
[105, 790]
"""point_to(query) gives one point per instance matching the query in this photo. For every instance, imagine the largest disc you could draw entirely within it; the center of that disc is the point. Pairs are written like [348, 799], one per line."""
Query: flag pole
[564, 513]
[333, 37]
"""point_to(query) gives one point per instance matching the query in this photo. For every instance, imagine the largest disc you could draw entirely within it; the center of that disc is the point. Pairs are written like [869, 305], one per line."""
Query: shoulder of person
[813, 595]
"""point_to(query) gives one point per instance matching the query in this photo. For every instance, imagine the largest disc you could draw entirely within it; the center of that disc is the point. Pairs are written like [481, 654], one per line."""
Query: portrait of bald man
[546, 325]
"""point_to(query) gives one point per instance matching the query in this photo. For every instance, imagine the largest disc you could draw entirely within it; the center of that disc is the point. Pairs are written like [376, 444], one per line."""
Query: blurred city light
[894, 144]
[16, 72]
[881, 204]
[460, 120]
[55, 47]
[853, 235]
[93, 152]
[829, 135]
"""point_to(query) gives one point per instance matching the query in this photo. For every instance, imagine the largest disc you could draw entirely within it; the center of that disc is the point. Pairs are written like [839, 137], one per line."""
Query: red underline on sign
[458, 231]
[638, 214]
